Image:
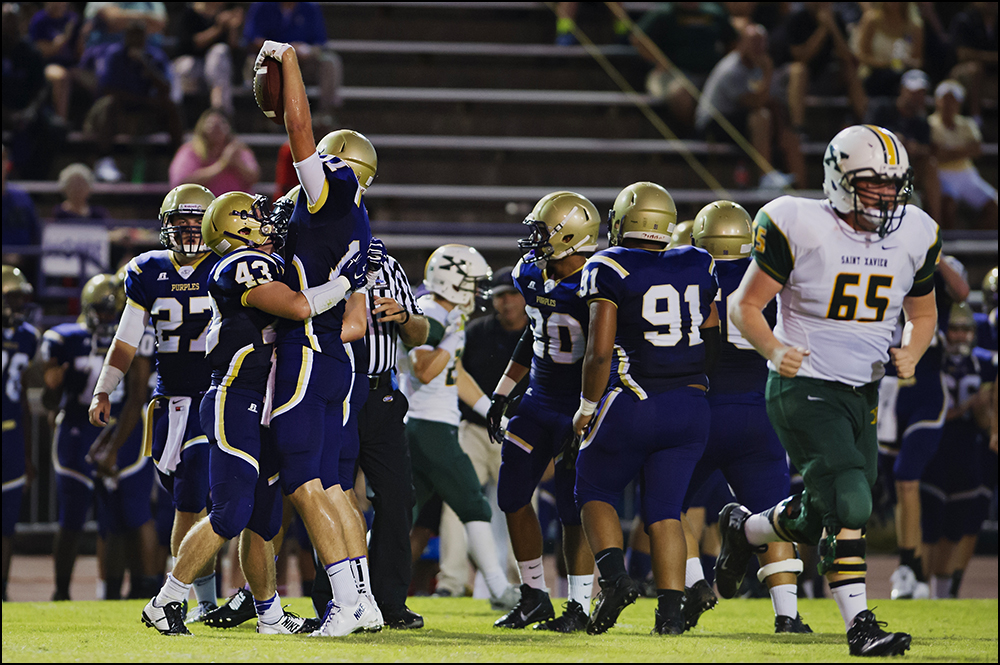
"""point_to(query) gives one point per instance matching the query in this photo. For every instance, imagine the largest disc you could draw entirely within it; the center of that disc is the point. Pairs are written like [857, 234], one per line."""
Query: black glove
[494, 417]
[571, 448]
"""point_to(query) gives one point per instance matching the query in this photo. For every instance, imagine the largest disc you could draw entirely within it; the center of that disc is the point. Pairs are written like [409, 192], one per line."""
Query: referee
[384, 455]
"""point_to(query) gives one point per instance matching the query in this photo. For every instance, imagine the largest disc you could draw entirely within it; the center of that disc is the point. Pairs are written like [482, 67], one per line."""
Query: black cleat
[614, 597]
[783, 624]
[406, 619]
[670, 625]
[865, 637]
[534, 606]
[698, 599]
[169, 619]
[238, 609]
[735, 554]
[573, 619]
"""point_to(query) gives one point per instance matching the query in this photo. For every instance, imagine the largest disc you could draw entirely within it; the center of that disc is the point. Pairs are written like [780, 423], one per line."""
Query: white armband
[482, 406]
[132, 325]
[587, 407]
[109, 379]
[506, 386]
[325, 296]
[452, 341]
[311, 176]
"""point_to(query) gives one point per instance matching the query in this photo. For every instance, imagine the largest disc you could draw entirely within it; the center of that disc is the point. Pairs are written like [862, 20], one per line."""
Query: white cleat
[341, 620]
[904, 583]
[289, 624]
[168, 620]
[922, 591]
[198, 612]
[376, 622]
[507, 600]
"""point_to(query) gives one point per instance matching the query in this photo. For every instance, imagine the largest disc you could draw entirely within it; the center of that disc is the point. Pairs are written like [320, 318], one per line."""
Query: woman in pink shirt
[215, 158]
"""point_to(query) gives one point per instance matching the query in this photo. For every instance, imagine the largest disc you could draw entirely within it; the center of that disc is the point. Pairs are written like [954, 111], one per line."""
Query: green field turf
[460, 630]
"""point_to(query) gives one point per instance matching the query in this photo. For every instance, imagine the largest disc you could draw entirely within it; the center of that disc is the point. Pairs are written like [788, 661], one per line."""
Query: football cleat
[406, 619]
[236, 610]
[507, 600]
[865, 637]
[783, 624]
[573, 619]
[169, 619]
[197, 613]
[533, 606]
[669, 625]
[289, 624]
[904, 583]
[341, 620]
[735, 554]
[613, 598]
[375, 621]
[698, 599]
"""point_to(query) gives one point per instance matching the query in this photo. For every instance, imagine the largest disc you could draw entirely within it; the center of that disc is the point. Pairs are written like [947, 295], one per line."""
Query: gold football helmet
[17, 290]
[723, 230]
[101, 304]
[961, 333]
[238, 219]
[682, 234]
[644, 211]
[355, 149]
[187, 199]
[561, 223]
[990, 283]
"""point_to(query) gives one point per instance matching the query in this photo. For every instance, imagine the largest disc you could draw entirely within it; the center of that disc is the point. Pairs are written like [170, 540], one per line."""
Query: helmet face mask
[237, 219]
[458, 274]
[866, 171]
[961, 334]
[180, 219]
[561, 224]
[17, 292]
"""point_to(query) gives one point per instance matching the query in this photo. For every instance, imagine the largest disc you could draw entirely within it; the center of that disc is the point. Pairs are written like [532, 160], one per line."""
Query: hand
[271, 49]
[581, 422]
[100, 409]
[904, 360]
[376, 254]
[230, 152]
[993, 443]
[455, 321]
[54, 376]
[388, 310]
[356, 271]
[494, 417]
[101, 455]
[571, 449]
[788, 359]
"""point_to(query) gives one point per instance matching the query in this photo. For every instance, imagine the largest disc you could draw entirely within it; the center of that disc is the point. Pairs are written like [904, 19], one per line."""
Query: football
[267, 90]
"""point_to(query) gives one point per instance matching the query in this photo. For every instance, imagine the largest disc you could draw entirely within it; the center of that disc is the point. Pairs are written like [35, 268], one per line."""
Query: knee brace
[785, 516]
[786, 566]
[842, 557]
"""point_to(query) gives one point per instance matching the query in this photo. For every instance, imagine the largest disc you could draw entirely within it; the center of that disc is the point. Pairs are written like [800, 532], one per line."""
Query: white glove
[270, 49]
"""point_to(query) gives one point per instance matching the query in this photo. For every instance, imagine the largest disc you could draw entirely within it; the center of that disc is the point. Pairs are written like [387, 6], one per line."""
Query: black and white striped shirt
[381, 337]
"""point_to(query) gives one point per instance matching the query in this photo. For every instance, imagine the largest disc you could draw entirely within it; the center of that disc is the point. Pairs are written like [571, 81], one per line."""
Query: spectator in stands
[974, 36]
[822, 61]
[890, 40]
[300, 24]
[76, 182]
[209, 33]
[107, 22]
[739, 89]
[906, 116]
[566, 20]
[694, 36]
[135, 98]
[215, 158]
[55, 32]
[956, 141]
[20, 223]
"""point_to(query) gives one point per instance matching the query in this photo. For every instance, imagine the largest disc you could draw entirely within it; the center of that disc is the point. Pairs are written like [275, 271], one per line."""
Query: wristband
[110, 377]
[450, 343]
[506, 386]
[482, 406]
[587, 407]
[323, 297]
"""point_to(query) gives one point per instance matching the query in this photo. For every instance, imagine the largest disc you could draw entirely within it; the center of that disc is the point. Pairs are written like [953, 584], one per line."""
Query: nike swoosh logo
[855, 595]
[887, 248]
[535, 566]
[535, 577]
[814, 399]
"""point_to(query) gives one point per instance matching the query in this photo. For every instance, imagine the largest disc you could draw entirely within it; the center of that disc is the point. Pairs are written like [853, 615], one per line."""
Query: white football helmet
[458, 273]
[868, 153]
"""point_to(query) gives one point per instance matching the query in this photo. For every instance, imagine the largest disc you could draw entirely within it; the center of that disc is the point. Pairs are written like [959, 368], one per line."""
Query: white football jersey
[843, 290]
[437, 400]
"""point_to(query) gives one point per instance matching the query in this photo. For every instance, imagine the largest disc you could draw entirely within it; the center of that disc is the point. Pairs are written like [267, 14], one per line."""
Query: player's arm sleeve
[923, 281]
[524, 352]
[133, 323]
[771, 250]
[435, 334]
[312, 177]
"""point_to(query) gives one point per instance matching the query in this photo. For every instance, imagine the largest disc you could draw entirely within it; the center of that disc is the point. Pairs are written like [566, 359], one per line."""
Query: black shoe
[233, 612]
[573, 619]
[534, 606]
[613, 598]
[169, 619]
[698, 599]
[405, 619]
[731, 566]
[783, 624]
[669, 625]
[865, 637]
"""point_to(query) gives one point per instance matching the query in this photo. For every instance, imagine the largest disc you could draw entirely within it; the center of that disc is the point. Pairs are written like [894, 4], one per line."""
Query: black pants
[385, 459]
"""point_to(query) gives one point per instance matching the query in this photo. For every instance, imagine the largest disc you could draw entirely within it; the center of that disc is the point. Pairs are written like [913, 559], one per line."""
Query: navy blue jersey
[180, 310]
[986, 329]
[662, 298]
[321, 238]
[72, 343]
[19, 347]
[241, 337]
[963, 377]
[740, 369]
[559, 322]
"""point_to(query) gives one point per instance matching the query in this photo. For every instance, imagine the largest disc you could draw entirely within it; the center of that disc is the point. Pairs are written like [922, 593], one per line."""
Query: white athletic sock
[785, 600]
[581, 588]
[942, 587]
[759, 530]
[359, 569]
[851, 600]
[204, 589]
[483, 549]
[269, 611]
[172, 591]
[533, 574]
[345, 592]
[693, 572]
[101, 588]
